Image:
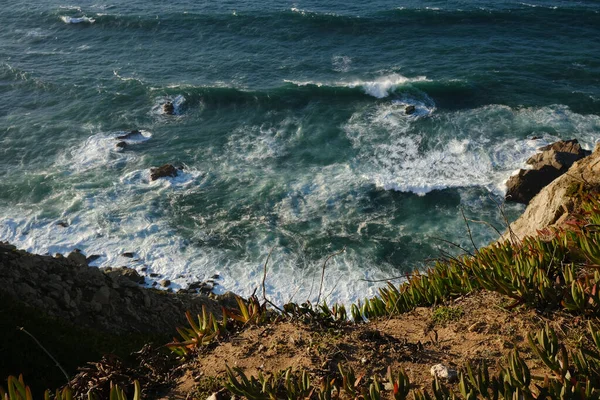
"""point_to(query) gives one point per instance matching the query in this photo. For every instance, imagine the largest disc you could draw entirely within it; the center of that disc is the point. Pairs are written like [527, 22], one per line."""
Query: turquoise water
[290, 124]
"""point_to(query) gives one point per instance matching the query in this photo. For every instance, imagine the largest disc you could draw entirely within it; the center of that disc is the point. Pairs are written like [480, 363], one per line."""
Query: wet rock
[128, 135]
[553, 161]
[444, 373]
[164, 171]
[128, 254]
[153, 275]
[169, 108]
[63, 224]
[165, 283]
[121, 145]
[409, 110]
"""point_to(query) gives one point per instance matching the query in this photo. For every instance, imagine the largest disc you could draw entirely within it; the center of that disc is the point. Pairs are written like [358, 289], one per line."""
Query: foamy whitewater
[290, 124]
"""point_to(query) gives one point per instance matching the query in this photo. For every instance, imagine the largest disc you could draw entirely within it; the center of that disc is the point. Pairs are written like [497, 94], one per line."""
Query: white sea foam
[341, 63]
[380, 87]
[468, 148]
[100, 150]
[77, 20]
[410, 153]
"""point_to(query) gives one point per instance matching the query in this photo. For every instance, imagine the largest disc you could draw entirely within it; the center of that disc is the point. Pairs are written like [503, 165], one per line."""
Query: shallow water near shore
[290, 124]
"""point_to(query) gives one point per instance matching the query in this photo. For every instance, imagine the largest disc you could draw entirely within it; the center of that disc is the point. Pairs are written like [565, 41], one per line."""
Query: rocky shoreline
[115, 300]
[107, 299]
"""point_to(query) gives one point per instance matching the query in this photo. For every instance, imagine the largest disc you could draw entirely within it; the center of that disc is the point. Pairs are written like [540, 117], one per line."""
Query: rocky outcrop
[164, 171]
[553, 161]
[109, 299]
[555, 203]
[169, 108]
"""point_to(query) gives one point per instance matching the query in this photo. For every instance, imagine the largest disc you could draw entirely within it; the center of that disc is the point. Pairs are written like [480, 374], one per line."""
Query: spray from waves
[102, 150]
[478, 147]
[77, 20]
[379, 88]
[131, 217]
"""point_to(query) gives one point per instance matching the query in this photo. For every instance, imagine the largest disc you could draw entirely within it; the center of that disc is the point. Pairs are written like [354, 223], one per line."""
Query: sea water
[290, 125]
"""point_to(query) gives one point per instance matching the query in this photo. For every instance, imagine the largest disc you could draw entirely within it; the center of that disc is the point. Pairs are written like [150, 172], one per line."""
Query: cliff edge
[555, 204]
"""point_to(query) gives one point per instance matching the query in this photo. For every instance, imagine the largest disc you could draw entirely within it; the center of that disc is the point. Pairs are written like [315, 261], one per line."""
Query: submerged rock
[409, 110]
[121, 145]
[554, 160]
[164, 171]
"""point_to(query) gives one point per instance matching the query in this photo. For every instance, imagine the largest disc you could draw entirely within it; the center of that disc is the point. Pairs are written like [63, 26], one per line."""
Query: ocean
[291, 127]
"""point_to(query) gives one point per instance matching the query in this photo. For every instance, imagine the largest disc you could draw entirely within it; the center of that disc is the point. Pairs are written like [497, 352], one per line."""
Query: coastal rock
[409, 110]
[105, 299]
[128, 254]
[121, 145]
[553, 161]
[77, 258]
[125, 273]
[442, 372]
[554, 204]
[165, 283]
[92, 258]
[164, 171]
[169, 108]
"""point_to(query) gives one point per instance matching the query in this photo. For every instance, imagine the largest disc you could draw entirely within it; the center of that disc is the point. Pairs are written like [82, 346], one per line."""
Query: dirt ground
[473, 328]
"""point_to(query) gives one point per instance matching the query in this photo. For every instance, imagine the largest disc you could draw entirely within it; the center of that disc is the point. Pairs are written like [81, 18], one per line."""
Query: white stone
[442, 372]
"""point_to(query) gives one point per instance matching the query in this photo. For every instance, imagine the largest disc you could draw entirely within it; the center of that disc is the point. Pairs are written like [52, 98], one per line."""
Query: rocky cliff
[555, 203]
[111, 300]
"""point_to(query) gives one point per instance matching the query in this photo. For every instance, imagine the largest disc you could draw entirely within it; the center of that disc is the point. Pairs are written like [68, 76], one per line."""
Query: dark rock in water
[166, 170]
[165, 283]
[215, 276]
[169, 108]
[554, 160]
[128, 254]
[521, 188]
[128, 135]
[92, 258]
[153, 275]
[409, 110]
[536, 138]
[63, 224]
[121, 145]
